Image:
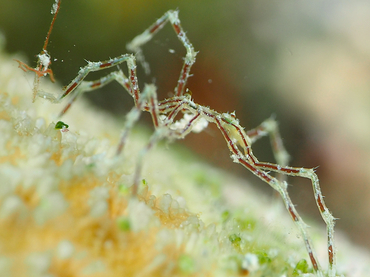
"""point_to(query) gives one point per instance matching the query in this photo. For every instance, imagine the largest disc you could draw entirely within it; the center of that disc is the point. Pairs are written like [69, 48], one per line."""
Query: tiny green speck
[123, 189]
[301, 267]
[225, 216]
[186, 264]
[124, 224]
[246, 224]
[235, 239]
[263, 257]
[61, 125]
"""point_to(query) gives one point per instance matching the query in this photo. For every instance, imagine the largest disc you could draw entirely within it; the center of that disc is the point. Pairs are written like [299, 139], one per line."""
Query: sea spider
[193, 117]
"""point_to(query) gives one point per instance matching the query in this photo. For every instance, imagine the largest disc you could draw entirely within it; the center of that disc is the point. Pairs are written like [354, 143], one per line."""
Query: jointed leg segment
[171, 16]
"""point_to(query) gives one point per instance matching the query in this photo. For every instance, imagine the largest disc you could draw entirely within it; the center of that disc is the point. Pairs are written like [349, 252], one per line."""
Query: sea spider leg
[270, 127]
[258, 168]
[134, 114]
[86, 86]
[248, 160]
[43, 59]
[96, 66]
[136, 44]
[159, 133]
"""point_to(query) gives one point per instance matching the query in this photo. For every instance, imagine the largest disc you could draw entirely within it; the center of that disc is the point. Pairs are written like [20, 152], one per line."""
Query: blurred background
[306, 62]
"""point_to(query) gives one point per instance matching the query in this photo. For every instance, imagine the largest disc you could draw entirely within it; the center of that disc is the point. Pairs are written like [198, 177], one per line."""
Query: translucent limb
[270, 127]
[133, 116]
[97, 66]
[159, 133]
[173, 17]
[86, 86]
[249, 161]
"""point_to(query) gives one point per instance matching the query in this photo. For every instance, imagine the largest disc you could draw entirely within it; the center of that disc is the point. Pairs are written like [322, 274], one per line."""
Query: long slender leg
[96, 66]
[91, 67]
[270, 127]
[136, 44]
[250, 161]
[86, 86]
[247, 162]
[159, 133]
[134, 114]
[324, 211]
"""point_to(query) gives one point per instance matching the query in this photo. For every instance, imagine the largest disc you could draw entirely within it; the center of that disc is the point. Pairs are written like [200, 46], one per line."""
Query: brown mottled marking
[320, 203]
[155, 28]
[103, 65]
[313, 261]
[70, 89]
[331, 254]
[177, 28]
[292, 213]
[96, 84]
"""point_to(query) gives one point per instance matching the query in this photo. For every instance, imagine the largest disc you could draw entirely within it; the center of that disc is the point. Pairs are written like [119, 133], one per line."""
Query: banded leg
[157, 136]
[192, 120]
[136, 44]
[86, 86]
[270, 127]
[96, 66]
[249, 161]
[133, 115]
[159, 133]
